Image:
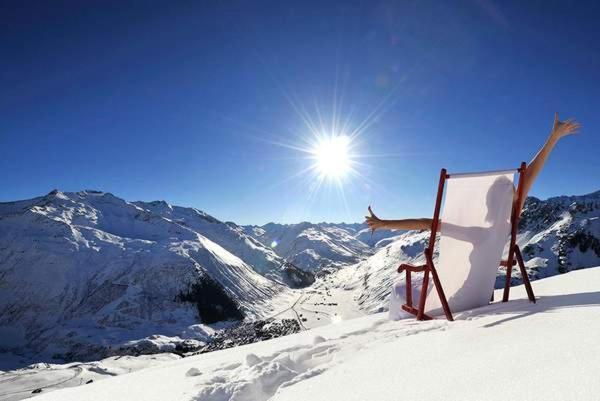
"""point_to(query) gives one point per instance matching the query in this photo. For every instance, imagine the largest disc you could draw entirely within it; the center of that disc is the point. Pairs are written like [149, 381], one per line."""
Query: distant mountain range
[83, 274]
[314, 247]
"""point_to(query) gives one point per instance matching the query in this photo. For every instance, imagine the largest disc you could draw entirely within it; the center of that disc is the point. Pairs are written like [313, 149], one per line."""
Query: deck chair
[480, 213]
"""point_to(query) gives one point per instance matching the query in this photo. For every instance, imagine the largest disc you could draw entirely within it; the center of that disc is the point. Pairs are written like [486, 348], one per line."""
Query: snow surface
[19, 384]
[515, 350]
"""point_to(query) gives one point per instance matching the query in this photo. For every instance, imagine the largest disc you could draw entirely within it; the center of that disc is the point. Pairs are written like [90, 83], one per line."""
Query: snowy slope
[19, 384]
[82, 273]
[231, 237]
[497, 352]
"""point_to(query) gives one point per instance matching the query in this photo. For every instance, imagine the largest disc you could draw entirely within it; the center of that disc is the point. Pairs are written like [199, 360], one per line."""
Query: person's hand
[563, 128]
[373, 221]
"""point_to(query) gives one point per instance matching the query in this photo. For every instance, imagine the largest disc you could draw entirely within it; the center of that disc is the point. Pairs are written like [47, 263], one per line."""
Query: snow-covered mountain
[82, 272]
[233, 238]
[560, 234]
[318, 246]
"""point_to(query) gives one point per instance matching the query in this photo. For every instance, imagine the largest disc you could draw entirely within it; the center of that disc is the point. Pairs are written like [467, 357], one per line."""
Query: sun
[332, 156]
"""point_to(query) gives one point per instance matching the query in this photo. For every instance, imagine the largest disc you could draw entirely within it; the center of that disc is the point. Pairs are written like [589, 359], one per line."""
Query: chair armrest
[411, 268]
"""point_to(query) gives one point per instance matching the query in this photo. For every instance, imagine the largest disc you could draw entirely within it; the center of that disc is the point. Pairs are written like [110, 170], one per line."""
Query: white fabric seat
[475, 227]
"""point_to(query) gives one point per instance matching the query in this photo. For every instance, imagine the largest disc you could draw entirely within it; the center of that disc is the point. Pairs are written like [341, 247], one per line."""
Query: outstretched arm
[559, 129]
[376, 223]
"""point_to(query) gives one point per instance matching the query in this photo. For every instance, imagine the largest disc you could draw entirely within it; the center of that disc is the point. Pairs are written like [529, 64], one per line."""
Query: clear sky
[203, 103]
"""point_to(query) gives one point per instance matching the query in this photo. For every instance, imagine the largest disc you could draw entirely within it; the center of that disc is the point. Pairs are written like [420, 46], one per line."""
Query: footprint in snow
[318, 340]
[231, 366]
[260, 378]
[193, 372]
[252, 360]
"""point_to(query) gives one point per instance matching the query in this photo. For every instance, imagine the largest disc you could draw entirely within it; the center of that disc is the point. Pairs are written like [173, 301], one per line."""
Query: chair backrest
[475, 227]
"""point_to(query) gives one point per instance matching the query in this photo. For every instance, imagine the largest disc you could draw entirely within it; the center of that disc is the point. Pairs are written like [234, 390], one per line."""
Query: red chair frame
[429, 267]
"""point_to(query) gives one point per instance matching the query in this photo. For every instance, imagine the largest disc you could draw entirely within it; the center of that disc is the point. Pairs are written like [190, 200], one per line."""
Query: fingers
[571, 126]
[569, 121]
[372, 220]
[372, 223]
[371, 212]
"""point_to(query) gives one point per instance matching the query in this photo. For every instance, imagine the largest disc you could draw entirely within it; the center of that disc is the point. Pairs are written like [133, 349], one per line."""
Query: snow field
[516, 350]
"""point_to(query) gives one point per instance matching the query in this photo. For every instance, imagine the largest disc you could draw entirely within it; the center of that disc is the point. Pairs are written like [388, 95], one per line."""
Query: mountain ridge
[83, 271]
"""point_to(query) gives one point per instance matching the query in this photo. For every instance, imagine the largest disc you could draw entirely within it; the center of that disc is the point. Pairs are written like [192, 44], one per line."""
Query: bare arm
[559, 129]
[375, 223]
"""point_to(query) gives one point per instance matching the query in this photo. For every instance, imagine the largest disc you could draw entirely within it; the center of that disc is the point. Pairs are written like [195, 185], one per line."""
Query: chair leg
[508, 274]
[440, 291]
[408, 289]
[526, 281]
[414, 311]
[408, 306]
[423, 296]
[420, 311]
[439, 288]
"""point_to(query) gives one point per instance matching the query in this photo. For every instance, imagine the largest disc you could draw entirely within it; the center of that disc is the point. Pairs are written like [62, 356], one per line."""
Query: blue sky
[188, 101]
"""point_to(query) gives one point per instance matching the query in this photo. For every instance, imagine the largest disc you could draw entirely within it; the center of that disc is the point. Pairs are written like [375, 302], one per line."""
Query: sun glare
[332, 155]
[330, 144]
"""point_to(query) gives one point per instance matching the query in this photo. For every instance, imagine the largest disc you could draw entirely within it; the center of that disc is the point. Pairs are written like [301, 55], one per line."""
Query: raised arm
[375, 223]
[559, 129]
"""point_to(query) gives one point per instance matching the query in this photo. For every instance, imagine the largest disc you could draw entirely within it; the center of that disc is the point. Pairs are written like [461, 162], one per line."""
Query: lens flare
[273, 244]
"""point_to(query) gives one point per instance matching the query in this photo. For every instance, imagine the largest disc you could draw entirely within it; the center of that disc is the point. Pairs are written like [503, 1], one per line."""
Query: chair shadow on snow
[522, 308]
